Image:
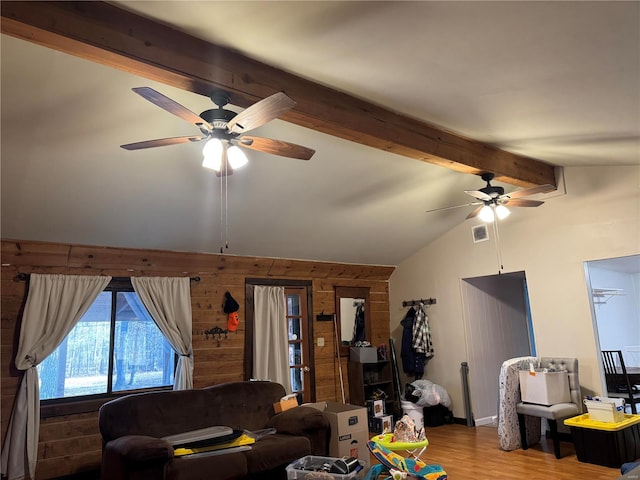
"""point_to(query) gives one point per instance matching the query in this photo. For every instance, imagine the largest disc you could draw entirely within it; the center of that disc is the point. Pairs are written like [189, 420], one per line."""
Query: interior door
[299, 339]
[300, 330]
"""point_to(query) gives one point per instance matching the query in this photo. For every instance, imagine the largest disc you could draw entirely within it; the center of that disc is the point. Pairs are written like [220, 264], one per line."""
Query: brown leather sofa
[132, 428]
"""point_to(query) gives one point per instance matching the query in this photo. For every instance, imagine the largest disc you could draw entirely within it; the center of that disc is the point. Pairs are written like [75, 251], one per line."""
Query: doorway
[298, 319]
[614, 291]
[498, 327]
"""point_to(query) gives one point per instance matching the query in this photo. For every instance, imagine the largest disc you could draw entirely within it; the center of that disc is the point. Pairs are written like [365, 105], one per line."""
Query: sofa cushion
[140, 448]
[226, 466]
[306, 421]
[276, 450]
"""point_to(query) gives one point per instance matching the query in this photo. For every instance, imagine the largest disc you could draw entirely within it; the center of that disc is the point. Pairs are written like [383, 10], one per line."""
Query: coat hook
[216, 332]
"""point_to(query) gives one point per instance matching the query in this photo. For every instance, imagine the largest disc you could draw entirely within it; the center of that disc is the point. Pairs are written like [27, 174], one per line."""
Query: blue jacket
[412, 361]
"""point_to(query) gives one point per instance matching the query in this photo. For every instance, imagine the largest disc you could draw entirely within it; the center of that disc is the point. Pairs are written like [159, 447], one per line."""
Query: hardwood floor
[474, 454]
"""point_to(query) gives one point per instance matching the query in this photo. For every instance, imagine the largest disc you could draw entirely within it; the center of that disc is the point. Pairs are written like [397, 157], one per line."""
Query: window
[295, 341]
[116, 347]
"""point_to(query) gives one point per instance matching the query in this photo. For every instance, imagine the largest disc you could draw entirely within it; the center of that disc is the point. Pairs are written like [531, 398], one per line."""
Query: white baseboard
[492, 421]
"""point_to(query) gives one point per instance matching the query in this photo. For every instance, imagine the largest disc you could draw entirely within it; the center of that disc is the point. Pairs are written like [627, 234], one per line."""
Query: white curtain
[169, 303]
[271, 339]
[54, 305]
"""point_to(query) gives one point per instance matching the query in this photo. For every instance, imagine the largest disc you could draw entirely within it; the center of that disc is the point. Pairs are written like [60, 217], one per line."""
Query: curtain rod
[413, 303]
[21, 277]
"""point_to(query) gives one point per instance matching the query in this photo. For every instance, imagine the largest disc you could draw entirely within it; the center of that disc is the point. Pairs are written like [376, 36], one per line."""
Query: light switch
[321, 341]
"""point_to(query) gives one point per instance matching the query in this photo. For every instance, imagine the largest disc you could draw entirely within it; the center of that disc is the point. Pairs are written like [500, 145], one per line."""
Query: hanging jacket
[421, 338]
[358, 326]
[412, 361]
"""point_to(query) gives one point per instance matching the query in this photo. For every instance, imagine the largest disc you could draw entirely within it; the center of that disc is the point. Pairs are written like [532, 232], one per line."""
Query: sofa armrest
[135, 457]
[306, 421]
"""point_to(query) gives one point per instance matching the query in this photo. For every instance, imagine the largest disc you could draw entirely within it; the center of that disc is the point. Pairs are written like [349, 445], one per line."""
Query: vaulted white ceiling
[554, 81]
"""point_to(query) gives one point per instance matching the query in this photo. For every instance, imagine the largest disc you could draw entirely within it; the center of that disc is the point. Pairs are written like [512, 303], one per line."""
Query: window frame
[90, 403]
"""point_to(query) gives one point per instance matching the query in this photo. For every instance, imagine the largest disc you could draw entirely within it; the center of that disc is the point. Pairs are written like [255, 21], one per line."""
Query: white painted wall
[617, 317]
[598, 217]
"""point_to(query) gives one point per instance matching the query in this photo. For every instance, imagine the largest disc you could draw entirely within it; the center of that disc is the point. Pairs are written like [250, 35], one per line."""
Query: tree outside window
[115, 347]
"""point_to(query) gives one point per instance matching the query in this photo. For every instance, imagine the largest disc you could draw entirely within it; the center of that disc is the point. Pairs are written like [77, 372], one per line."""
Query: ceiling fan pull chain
[221, 215]
[497, 242]
[226, 207]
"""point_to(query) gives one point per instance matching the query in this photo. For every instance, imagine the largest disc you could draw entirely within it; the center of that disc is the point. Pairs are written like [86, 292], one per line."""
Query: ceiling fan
[224, 130]
[491, 200]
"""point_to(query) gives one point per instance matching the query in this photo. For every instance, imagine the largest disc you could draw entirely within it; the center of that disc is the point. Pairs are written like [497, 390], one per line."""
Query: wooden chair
[619, 384]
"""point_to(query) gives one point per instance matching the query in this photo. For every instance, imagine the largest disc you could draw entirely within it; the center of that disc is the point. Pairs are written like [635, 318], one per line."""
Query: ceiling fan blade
[478, 194]
[455, 206]
[260, 113]
[474, 213]
[531, 191]
[276, 147]
[521, 202]
[161, 142]
[171, 106]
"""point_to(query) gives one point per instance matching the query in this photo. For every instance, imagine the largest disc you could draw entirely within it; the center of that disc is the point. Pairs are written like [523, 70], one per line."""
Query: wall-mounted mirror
[354, 316]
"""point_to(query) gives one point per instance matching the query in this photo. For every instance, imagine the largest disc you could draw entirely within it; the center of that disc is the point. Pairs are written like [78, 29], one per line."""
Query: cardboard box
[605, 443]
[544, 388]
[349, 430]
[363, 354]
[375, 408]
[285, 404]
[382, 424]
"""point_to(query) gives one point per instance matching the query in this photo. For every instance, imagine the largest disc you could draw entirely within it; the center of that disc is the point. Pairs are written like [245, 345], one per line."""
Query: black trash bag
[437, 415]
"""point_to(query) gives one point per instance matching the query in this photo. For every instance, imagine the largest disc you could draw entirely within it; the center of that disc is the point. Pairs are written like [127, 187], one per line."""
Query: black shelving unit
[366, 378]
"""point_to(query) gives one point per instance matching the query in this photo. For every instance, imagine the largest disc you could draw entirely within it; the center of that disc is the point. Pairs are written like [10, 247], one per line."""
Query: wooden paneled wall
[72, 443]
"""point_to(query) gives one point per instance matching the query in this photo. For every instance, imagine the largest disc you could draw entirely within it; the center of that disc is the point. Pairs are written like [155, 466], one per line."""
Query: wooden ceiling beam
[109, 35]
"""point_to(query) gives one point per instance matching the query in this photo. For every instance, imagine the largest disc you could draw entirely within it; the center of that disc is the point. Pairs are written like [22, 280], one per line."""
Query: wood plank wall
[71, 444]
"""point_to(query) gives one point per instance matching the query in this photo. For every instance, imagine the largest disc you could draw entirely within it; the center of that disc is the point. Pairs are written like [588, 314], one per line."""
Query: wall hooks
[415, 303]
[217, 333]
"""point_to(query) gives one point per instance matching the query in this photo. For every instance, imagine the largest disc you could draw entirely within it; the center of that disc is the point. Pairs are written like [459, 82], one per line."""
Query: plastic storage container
[605, 443]
[606, 409]
[296, 470]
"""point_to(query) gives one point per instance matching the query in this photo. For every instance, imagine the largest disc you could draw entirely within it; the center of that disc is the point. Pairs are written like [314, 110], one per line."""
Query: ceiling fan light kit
[212, 152]
[486, 214]
[502, 212]
[490, 211]
[215, 152]
[236, 157]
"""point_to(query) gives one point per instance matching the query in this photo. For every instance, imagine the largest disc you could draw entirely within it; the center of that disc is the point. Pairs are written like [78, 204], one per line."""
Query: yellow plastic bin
[605, 443]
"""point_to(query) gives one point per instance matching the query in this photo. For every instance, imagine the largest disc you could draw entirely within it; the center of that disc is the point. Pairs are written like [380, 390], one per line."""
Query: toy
[415, 468]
